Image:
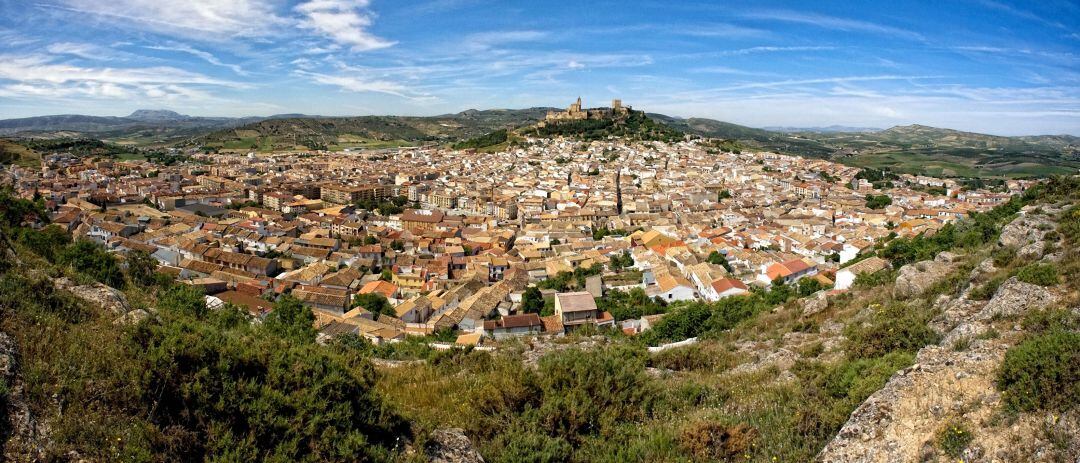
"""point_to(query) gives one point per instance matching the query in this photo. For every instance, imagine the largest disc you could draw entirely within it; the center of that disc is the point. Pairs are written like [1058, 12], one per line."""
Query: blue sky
[982, 65]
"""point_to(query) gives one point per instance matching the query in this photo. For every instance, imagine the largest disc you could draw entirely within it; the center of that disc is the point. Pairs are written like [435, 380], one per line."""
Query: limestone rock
[132, 318]
[1032, 251]
[96, 294]
[1024, 230]
[915, 279]
[782, 359]
[954, 312]
[985, 267]
[451, 446]
[814, 304]
[1015, 297]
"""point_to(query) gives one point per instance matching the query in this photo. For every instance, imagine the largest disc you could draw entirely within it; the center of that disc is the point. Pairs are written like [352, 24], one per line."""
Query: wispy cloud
[203, 55]
[42, 77]
[487, 40]
[343, 21]
[1024, 14]
[86, 51]
[729, 71]
[1057, 57]
[722, 30]
[208, 20]
[835, 23]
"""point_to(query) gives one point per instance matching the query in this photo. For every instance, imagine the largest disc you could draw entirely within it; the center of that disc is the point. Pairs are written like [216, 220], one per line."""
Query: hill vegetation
[635, 125]
[495, 138]
[367, 131]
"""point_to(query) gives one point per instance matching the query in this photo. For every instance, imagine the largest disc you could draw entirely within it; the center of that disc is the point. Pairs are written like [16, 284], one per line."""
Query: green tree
[93, 260]
[142, 267]
[291, 320]
[47, 242]
[532, 301]
[716, 258]
[878, 201]
[375, 303]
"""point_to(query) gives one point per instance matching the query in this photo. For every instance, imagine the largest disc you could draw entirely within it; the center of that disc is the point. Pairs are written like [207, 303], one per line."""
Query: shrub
[985, 291]
[45, 242]
[961, 344]
[528, 446]
[713, 441]
[870, 280]
[896, 327]
[587, 392]
[1047, 320]
[1038, 274]
[93, 260]
[833, 390]
[1042, 372]
[691, 357]
[1003, 256]
[954, 438]
[1069, 224]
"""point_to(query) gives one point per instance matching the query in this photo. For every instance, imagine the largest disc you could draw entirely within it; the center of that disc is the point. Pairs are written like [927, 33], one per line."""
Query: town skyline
[1001, 68]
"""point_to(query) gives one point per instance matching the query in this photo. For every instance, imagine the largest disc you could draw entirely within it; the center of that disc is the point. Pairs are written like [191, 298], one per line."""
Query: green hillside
[365, 131]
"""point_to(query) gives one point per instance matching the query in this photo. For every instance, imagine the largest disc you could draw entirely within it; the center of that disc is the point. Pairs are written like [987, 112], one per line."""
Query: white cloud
[30, 76]
[365, 80]
[81, 50]
[342, 21]
[203, 55]
[486, 40]
[209, 20]
[834, 23]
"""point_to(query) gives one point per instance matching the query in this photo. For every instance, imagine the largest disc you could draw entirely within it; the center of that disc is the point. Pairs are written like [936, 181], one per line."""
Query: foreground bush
[1042, 373]
[954, 438]
[895, 327]
[713, 441]
[1039, 274]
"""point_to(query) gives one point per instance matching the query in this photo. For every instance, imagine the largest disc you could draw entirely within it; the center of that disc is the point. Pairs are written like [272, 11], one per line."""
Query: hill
[946, 152]
[142, 127]
[365, 131]
[630, 125]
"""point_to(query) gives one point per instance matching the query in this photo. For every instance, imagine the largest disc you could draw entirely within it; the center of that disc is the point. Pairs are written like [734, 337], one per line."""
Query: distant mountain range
[829, 129]
[913, 148]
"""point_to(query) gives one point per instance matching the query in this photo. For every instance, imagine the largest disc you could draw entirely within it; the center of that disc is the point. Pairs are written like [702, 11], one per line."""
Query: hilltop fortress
[574, 112]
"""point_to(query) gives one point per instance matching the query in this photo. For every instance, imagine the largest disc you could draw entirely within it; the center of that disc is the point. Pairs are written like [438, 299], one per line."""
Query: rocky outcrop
[1026, 234]
[952, 381]
[814, 304]
[915, 279]
[96, 294]
[1013, 298]
[27, 436]
[451, 446]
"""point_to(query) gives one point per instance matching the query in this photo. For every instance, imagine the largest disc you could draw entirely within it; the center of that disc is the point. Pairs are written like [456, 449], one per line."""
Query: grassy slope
[20, 154]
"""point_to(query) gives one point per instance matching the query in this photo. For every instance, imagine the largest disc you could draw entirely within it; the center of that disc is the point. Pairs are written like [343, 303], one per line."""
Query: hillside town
[413, 241]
